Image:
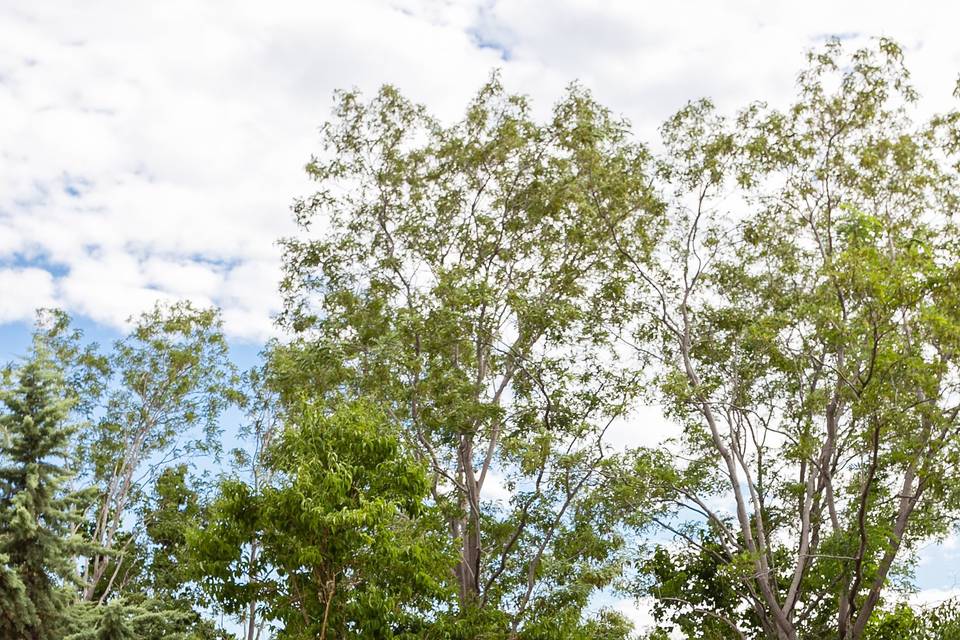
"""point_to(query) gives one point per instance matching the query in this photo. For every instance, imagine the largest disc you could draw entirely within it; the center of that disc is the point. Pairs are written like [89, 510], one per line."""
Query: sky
[151, 150]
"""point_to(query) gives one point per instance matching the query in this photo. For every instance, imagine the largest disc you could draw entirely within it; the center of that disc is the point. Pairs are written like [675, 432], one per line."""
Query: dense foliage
[469, 309]
[345, 545]
[39, 513]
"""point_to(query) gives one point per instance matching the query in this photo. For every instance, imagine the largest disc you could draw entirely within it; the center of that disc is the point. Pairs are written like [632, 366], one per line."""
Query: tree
[461, 279]
[160, 587]
[15, 607]
[923, 623]
[173, 509]
[940, 621]
[696, 591]
[809, 337]
[169, 378]
[145, 619]
[177, 508]
[347, 546]
[39, 513]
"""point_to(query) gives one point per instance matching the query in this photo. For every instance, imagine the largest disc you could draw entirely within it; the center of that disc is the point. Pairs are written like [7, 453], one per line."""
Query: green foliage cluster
[345, 522]
[939, 622]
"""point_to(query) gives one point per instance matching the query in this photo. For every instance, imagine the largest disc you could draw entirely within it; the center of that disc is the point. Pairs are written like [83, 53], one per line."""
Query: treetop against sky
[153, 154]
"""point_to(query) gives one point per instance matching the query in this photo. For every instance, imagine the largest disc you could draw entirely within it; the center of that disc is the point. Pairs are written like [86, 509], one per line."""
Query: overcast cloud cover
[151, 149]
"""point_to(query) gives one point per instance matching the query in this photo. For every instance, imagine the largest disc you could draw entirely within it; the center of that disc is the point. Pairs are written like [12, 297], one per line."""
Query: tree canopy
[809, 337]
[470, 309]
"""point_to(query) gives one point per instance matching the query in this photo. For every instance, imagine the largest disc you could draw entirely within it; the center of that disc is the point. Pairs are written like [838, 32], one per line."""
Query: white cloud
[183, 278]
[22, 291]
[951, 543]
[644, 426]
[108, 287]
[638, 611]
[151, 150]
[495, 488]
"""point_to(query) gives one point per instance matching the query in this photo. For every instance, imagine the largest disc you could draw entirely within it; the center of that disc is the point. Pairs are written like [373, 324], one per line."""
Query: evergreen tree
[15, 608]
[39, 513]
[128, 619]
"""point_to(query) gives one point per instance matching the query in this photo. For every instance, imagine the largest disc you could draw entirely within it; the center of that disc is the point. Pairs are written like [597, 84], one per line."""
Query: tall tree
[461, 278]
[165, 387]
[808, 307]
[39, 513]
